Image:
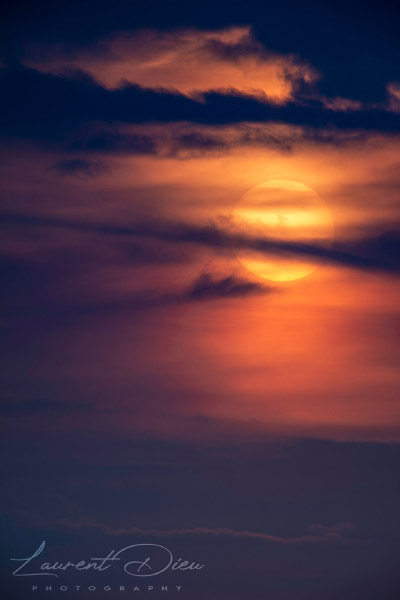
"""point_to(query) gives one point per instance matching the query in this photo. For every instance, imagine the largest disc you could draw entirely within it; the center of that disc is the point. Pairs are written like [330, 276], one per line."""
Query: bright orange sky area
[313, 355]
[316, 356]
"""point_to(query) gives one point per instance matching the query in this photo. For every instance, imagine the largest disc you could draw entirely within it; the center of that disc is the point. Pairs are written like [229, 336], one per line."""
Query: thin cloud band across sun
[282, 210]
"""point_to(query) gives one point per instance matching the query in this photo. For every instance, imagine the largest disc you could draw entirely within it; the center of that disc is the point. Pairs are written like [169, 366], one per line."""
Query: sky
[200, 313]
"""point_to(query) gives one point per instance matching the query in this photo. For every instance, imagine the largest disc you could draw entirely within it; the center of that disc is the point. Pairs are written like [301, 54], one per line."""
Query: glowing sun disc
[287, 211]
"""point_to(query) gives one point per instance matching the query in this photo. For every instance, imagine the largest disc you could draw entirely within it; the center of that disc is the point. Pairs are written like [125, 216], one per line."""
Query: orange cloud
[187, 60]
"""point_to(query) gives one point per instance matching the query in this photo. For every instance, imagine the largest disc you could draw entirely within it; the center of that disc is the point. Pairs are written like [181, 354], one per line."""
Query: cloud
[340, 529]
[338, 533]
[185, 140]
[53, 110]
[78, 167]
[285, 29]
[194, 62]
[381, 251]
[205, 287]
[190, 140]
[371, 251]
[208, 287]
[191, 61]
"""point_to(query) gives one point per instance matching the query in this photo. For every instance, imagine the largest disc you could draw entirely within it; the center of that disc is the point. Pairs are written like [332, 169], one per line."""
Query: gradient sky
[156, 390]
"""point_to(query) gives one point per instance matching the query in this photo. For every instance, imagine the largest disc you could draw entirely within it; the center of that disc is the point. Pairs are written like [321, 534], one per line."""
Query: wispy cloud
[337, 533]
[78, 167]
[208, 286]
[63, 103]
[373, 251]
[192, 61]
[184, 140]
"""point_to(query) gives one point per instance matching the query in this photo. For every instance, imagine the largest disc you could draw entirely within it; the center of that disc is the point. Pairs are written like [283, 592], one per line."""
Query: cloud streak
[372, 252]
[191, 61]
[62, 104]
[209, 287]
[78, 167]
[190, 140]
[336, 533]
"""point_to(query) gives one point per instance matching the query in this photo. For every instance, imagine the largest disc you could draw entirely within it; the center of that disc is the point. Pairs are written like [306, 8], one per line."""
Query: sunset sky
[156, 160]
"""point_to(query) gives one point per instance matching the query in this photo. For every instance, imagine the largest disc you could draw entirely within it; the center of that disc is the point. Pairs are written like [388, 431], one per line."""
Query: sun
[282, 210]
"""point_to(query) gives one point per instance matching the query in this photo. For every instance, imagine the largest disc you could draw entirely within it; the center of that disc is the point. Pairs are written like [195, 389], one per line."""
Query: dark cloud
[114, 141]
[50, 108]
[196, 140]
[191, 140]
[247, 47]
[188, 140]
[371, 251]
[208, 286]
[78, 167]
[191, 143]
[32, 291]
[353, 44]
[380, 251]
